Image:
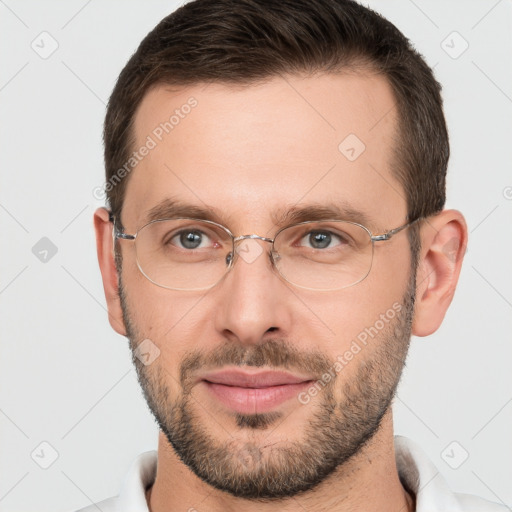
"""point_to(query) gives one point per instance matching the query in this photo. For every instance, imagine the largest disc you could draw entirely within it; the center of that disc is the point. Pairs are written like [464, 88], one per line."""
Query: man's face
[249, 155]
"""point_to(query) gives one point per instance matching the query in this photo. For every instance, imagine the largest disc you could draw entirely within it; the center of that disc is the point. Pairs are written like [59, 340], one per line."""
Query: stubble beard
[340, 427]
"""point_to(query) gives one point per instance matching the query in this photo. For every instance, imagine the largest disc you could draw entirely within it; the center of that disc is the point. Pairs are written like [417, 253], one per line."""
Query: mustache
[276, 353]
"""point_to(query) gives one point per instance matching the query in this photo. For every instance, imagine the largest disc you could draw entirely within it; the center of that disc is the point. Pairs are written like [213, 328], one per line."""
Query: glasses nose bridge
[252, 237]
[238, 239]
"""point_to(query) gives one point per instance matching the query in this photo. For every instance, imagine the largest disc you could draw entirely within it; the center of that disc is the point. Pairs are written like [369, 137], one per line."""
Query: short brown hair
[246, 41]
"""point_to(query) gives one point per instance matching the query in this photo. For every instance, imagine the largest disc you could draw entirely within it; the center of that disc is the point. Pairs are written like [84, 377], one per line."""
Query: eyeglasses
[189, 254]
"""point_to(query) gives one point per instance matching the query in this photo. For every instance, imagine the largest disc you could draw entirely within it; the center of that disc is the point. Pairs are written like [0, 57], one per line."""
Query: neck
[368, 481]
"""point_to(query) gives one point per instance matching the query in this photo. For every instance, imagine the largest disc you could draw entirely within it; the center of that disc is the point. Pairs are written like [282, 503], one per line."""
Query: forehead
[247, 151]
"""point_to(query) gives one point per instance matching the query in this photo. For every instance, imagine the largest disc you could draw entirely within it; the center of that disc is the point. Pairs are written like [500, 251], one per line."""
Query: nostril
[272, 329]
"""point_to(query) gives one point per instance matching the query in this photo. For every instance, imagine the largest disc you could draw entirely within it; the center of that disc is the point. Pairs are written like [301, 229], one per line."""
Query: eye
[321, 239]
[191, 239]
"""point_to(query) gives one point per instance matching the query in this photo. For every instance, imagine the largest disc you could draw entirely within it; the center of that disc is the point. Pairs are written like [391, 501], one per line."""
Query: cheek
[170, 319]
[346, 315]
[170, 323]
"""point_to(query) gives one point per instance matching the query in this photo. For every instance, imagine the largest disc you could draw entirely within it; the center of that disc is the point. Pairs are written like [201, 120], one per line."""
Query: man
[276, 233]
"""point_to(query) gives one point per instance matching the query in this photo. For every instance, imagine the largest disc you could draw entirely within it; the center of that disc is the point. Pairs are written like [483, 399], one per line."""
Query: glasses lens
[324, 255]
[183, 254]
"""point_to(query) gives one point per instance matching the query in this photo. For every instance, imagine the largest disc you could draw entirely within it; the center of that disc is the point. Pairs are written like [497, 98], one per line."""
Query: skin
[246, 153]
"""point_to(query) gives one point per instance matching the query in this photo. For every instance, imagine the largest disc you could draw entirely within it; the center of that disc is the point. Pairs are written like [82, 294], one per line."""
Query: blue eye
[190, 239]
[320, 239]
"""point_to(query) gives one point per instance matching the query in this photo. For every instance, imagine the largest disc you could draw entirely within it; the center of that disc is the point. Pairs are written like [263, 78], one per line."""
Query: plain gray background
[66, 378]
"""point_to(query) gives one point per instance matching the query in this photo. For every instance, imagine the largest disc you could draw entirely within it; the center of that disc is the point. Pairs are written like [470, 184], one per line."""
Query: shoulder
[132, 497]
[420, 476]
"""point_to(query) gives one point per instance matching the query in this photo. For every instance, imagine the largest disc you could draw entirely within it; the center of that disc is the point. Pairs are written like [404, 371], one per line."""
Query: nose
[252, 299]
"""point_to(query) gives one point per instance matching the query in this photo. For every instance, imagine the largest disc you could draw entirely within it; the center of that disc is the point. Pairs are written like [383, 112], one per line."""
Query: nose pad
[275, 257]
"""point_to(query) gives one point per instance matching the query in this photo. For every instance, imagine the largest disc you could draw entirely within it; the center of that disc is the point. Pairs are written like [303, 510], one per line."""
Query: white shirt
[417, 473]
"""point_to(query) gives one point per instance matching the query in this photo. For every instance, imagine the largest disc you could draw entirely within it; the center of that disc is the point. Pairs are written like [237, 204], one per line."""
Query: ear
[105, 249]
[443, 245]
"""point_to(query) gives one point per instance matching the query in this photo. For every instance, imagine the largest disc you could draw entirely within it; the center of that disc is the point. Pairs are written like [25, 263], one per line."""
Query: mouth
[254, 393]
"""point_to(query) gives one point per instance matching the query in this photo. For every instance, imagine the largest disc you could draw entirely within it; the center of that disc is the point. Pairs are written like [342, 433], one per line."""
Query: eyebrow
[329, 211]
[171, 208]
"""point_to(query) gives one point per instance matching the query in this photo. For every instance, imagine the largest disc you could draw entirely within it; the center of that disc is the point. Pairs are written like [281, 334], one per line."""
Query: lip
[258, 379]
[254, 392]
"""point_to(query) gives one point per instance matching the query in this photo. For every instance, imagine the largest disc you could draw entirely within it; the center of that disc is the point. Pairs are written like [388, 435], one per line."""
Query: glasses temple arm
[392, 232]
[117, 233]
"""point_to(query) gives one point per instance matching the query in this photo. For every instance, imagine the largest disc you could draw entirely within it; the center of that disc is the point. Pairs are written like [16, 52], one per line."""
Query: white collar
[417, 473]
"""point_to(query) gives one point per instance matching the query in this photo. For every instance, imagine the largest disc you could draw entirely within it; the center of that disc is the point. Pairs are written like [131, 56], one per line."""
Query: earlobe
[105, 250]
[444, 240]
